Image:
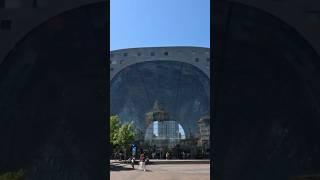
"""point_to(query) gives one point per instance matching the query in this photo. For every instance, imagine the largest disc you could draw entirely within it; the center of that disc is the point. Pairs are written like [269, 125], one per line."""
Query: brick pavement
[161, 172]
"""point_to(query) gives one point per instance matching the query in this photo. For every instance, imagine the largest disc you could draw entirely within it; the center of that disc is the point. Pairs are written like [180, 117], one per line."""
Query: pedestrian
[167, 155]
[120, 155]
[132, 161]
[142, 162]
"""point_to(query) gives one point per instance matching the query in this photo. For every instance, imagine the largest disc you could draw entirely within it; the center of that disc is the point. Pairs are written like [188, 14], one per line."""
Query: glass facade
[169, 104]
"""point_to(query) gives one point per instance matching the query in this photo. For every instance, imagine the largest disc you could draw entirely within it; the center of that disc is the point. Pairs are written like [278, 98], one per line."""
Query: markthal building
[165, 92]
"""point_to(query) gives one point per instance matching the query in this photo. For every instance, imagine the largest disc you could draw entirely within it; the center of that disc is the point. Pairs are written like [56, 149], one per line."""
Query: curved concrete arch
[299, 15]
[196, 56]
[29, 19]
[275, 93]
[182, 88]
[55, 63]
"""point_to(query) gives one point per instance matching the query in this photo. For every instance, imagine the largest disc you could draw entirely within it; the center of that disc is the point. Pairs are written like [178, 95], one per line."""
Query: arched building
[52, 88]
[264, 131]
[176, 77]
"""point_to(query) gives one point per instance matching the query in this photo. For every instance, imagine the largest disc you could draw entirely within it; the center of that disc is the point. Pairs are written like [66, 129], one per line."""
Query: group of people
[142, 162]
[167, 155]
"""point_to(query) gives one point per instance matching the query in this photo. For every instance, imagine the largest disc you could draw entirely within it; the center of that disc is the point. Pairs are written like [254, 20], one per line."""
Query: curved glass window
[169, 104]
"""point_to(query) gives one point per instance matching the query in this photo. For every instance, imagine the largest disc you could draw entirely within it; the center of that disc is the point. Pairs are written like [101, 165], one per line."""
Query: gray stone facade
[52, 91]
[266, 124]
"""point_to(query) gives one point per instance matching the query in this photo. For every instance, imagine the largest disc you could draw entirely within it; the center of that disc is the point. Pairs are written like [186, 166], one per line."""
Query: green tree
[121, 135]
[115, 125]
[18, 175]
[125, 135]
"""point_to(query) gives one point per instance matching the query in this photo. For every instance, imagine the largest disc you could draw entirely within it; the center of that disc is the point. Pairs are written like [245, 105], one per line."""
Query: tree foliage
[18, 175]
[121, 135]
[125, 135]
[115, 125]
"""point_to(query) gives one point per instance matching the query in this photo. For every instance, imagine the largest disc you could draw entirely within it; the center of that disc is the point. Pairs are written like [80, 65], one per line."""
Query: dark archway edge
[53, 98]
[266, 97]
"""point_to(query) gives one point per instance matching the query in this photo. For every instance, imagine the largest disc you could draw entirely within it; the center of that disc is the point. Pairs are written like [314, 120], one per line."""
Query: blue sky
[153, 23]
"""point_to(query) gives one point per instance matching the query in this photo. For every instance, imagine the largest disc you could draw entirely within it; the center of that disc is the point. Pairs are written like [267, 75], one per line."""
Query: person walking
[167, 155]
[132, 161]
[142, 162]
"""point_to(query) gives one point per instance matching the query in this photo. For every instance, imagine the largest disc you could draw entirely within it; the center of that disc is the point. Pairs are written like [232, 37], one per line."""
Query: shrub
[18, 175]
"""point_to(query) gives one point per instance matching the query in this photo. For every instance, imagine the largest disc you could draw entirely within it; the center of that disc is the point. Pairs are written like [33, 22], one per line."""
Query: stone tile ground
[161, 172]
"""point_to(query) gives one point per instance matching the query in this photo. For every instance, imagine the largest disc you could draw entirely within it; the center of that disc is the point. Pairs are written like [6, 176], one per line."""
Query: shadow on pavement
[120, 168]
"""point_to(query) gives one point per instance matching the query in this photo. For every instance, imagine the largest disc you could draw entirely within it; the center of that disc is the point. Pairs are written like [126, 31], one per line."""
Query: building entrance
[164, 135]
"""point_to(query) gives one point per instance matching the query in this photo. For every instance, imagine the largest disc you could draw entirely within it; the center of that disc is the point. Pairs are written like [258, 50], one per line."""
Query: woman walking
[142, 162]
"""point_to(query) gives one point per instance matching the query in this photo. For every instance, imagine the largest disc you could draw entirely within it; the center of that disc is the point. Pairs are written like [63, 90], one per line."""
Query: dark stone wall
[53, 99]
[266, 121]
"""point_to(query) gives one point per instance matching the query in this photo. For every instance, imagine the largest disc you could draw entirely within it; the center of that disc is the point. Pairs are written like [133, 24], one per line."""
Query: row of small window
[121, 61]
[151, 54]
[139, 54]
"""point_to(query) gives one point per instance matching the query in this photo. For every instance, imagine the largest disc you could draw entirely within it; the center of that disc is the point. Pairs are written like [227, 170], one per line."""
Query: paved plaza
[160, 172]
